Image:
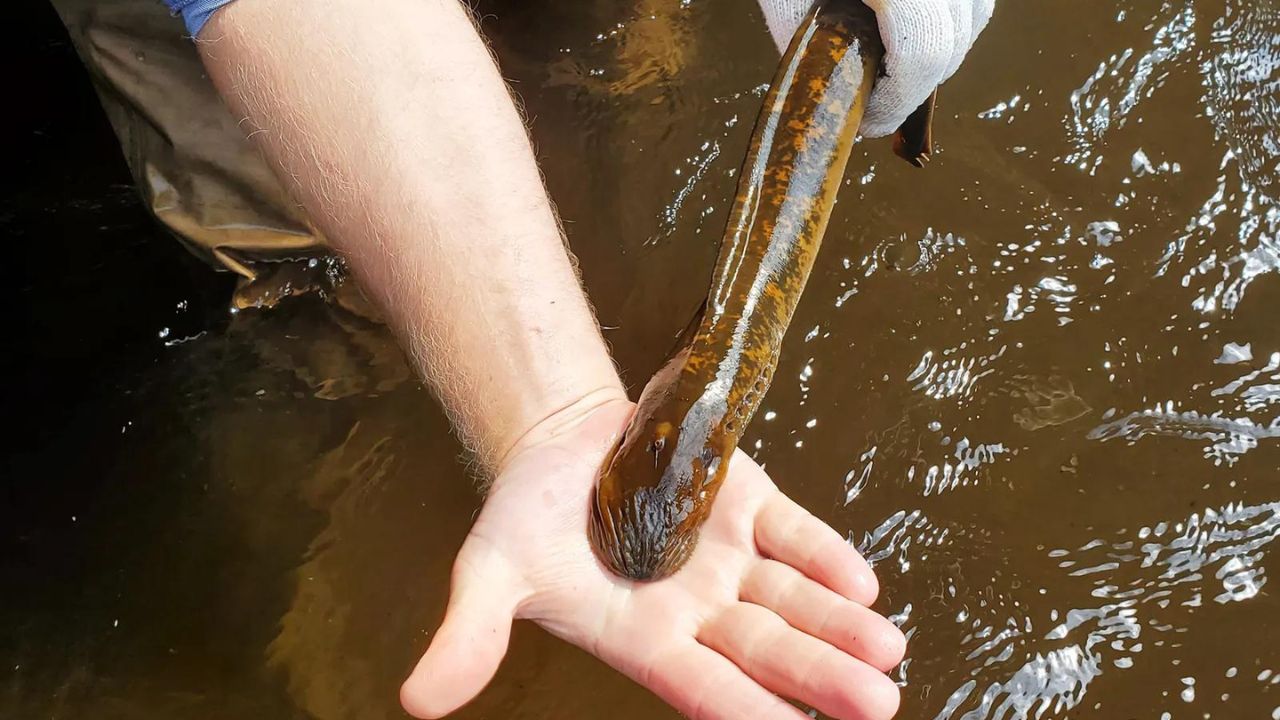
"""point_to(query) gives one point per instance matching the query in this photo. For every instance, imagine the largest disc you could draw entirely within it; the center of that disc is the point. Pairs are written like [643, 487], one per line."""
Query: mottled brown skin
[657, 486]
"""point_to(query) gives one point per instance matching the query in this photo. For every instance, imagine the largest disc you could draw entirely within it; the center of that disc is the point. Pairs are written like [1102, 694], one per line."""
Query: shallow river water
[1037, 383]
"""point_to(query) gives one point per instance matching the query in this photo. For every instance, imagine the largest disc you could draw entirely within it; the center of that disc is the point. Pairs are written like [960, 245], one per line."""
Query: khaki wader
[192, 163]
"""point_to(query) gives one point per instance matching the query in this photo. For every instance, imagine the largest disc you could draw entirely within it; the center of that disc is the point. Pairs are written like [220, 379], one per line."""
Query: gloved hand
[924, 41]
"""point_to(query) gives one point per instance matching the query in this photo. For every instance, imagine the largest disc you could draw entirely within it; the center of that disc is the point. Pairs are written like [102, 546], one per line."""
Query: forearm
[393, 128]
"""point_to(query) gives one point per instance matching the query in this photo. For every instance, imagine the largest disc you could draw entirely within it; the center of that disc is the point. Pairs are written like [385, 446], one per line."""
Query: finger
[783, 18]
[816, 610]
[787, 533]
[702, 684]
[466, 650]
[920, 41]
[982, 12]
[962, 32]
[799, 666]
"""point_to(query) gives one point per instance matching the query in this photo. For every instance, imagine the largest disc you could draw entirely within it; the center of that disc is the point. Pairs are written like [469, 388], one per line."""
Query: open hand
[772, 603]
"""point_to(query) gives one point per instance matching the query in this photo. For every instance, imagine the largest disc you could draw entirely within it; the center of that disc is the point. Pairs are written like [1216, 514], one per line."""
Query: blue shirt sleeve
[195, 13]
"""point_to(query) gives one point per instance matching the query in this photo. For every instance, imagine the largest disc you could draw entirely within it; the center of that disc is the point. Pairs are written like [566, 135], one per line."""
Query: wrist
[607, 405]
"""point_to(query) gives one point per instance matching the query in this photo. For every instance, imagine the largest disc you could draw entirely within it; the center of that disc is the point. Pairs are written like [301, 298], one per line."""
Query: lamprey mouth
[640, 540]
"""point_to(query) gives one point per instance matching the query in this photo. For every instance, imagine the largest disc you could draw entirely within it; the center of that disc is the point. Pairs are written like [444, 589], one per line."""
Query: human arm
[392, 127]
[925, 42]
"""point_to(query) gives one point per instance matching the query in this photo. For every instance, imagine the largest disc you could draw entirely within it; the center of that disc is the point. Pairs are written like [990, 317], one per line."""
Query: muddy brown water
[1037, 383]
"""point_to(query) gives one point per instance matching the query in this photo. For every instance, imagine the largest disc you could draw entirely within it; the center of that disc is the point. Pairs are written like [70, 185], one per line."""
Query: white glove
[924, 41]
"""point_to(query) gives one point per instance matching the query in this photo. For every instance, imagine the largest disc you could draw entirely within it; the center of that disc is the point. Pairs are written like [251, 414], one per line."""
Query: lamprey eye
[659, 441]
[709, 457]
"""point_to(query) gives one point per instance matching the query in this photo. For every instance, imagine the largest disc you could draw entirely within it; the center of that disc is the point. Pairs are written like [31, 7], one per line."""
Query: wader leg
[190, 159]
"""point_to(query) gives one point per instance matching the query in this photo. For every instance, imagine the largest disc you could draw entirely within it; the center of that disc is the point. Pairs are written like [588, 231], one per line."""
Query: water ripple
[1138, 578]
[1106, 99]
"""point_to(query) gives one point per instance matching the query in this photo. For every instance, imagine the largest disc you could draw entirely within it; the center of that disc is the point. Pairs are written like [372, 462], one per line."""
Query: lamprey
[657, 485]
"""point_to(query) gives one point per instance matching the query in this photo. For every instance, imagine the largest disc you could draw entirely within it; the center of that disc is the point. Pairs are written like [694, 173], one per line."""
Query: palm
[772, 600]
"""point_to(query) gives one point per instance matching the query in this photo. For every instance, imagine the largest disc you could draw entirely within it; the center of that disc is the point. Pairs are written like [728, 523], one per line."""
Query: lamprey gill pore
[657, 485]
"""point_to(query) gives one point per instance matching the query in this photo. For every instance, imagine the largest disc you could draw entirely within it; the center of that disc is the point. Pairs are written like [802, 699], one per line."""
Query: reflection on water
[1038, 384]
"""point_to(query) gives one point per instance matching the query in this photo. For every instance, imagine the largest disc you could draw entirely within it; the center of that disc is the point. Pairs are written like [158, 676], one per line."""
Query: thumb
[470, 644]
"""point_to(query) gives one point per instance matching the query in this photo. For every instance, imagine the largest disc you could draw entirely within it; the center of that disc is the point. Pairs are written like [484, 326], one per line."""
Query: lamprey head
[653, 497]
